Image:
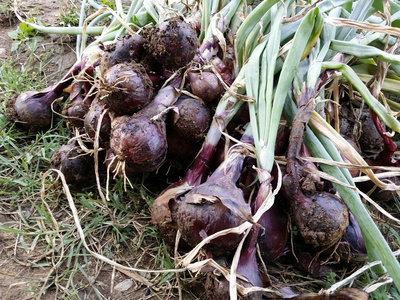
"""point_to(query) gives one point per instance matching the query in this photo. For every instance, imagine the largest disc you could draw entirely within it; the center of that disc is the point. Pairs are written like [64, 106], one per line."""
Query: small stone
[124, 285]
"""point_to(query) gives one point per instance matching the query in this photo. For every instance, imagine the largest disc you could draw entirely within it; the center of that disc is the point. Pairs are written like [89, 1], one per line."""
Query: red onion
[126, 49]
[215, 205]
[76, 108]
[352, 248]
[140, 140]
[92, 117]
[321, 217]
[33, 109]
[76, 165]
[126, 88]
[273, 235]
[173, 43]
[206, 86]
[313, 264]
[182, 152]
[190, 119]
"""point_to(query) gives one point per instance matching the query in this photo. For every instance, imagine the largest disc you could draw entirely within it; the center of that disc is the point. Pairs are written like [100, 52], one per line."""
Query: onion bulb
[74, 163]
[215, 205]
[126, 88]
[173, 43]
[140, 140]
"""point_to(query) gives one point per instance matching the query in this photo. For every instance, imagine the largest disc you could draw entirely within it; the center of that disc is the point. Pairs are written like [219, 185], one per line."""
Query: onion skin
[173, 43]
[165, 206]
[351, 248]
[181, 151]
[223, 70]
[126, 88]
[196, 222]
[34, 109]
[76, 108]
[273, 237]
[140, 143]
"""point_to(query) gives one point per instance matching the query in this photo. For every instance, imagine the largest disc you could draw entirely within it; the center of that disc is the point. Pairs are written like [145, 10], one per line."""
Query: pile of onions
[151, 96]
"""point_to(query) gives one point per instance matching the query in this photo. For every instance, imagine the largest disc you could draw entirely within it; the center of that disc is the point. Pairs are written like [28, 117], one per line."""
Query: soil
[18, 278]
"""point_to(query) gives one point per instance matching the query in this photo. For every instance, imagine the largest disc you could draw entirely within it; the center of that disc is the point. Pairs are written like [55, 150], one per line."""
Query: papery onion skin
[198, 222]
[215, 205]
[173, 43]
[76, 108]
[126, 88]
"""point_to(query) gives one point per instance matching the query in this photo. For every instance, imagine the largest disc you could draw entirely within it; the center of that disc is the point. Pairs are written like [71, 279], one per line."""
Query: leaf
[15, 45]
[14, 34]
[12, 230]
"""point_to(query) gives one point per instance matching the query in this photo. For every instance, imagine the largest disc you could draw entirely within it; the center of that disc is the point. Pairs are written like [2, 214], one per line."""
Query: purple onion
[352, 247]
[76, 165]
[173, 43]
[206, 86]
[273, 235]
[126, 88]
[140, 140]
[190, 119]
[76, 108]
[126, 49]
[33, 109]
[321, 217]
[92, 117]
[215, 205]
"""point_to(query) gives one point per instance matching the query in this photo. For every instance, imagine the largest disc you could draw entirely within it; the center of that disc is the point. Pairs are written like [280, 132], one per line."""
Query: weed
[70, 18]
[25, 34]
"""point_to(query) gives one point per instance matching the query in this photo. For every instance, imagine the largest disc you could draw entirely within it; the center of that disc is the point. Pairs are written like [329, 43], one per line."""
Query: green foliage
[71, 18]
[110, 4]
[25, 34]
